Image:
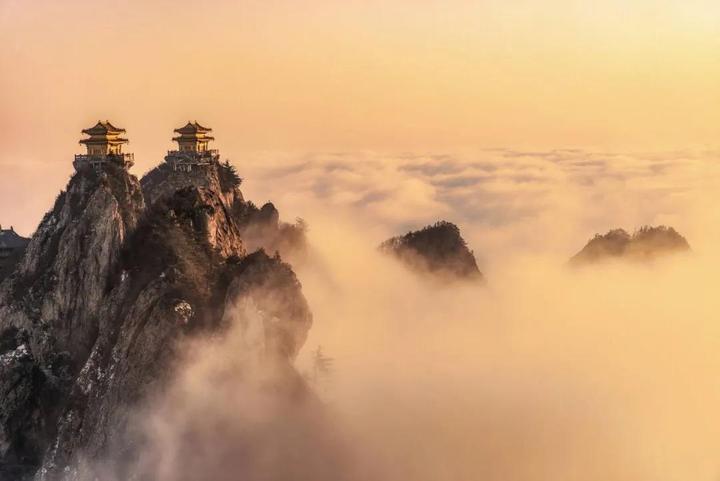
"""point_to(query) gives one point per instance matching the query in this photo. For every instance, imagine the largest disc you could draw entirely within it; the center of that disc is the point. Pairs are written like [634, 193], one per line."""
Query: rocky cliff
[119, 273]
[438, 249]
[645, 244]
[260, 228]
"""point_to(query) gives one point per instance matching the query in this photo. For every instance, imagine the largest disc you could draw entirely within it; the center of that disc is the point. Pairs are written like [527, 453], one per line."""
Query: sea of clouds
[506, 202]
[609, 373]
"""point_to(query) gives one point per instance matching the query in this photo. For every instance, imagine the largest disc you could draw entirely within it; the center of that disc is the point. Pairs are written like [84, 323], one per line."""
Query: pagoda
[193, 140]
[104, 144]
[10, 242]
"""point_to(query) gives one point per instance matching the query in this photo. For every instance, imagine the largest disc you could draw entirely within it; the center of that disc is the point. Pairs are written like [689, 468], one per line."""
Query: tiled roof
[10, 238]
[193, 128]
[102, 128]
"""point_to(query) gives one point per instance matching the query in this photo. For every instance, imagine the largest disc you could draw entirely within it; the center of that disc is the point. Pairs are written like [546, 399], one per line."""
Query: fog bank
[607, 373]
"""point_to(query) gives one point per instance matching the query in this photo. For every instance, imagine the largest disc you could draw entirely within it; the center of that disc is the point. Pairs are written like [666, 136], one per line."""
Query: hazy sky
[319, 76]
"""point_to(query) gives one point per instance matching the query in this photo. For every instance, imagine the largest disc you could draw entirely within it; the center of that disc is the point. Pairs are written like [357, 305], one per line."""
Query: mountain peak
[438, 249]
[646, 243]
[117, 273]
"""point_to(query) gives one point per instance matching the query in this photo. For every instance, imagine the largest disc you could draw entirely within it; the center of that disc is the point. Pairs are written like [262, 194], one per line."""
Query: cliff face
[260, 228]
[50, 309]
[114, 278]
[75, 246]
[216, 177]
[438, 249]
[645, 244]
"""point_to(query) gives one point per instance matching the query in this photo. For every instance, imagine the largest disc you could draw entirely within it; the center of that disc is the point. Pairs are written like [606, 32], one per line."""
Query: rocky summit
[119, 272]
[437, 249]
[647, 243]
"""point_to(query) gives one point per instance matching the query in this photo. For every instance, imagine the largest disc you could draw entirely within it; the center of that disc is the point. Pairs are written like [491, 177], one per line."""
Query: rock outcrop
[438, 249]
[645, 244]
[119, 272]
[217, 177]
[260, 228]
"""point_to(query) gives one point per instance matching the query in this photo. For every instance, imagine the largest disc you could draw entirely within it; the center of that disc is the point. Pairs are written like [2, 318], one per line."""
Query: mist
[606, 373]
[603, 373]
[547, 374]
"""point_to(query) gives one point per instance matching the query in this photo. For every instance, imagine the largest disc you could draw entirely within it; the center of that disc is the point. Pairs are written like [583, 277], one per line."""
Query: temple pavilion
[104, 144]
[193, 140]
[10, 242]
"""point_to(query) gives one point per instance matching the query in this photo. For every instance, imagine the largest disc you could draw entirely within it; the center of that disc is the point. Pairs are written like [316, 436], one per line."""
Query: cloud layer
[507, 202]
[606, 374]
[603, 374]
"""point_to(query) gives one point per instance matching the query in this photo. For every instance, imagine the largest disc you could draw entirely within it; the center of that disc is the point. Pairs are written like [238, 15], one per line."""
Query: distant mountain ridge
[644, 244]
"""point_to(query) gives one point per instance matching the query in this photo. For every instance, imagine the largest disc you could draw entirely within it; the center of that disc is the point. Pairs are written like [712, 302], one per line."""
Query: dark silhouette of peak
[646, 243]
[437, 249]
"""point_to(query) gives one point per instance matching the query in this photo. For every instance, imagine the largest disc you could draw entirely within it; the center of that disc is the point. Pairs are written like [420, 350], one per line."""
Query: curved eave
[103, 128]
[190, 138]
[192, 128]
[104, 141]
[94, 131]
[200, 127]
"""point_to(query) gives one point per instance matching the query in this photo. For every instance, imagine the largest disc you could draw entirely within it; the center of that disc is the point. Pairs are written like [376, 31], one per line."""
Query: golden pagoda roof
[104, 133]
[193, 128]
[103, 128]
[193, 131]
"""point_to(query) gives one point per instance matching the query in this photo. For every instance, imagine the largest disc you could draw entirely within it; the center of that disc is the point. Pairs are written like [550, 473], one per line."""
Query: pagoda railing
[105, 157]
[97, 160]
[193, 155]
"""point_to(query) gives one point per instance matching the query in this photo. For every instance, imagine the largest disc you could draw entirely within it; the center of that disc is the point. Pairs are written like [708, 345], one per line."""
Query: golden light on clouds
[532, 124]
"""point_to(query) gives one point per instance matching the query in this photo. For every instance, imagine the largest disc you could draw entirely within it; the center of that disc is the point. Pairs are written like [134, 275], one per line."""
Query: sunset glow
[536, 126]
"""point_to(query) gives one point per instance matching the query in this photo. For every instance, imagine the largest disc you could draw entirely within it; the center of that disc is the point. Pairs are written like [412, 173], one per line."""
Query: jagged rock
[438, 249]
[91, 320]
[259, 228]
[646, 243]
[276, 293]
[216, 177]
[60, 284]
[262, 229]
[55, 298]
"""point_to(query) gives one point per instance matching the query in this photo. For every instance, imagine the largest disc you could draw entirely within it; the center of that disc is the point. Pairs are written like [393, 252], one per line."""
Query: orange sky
[325, 75]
